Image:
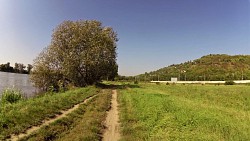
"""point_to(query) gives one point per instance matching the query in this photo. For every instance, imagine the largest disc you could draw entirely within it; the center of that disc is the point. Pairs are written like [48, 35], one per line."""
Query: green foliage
[229, 82]
[80, 53]
[51, 89]
[11, 96]
[190, 112]
[136, 82]
[211, 67]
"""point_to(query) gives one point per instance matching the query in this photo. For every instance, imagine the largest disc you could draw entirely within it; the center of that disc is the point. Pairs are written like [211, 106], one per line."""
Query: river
[18, 81]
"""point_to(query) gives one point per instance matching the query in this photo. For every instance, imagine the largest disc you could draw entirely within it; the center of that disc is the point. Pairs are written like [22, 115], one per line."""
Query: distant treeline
[18, 68]
[212, 67]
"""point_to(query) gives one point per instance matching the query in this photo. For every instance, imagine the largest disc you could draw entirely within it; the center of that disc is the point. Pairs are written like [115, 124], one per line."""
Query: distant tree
[81, 53]
[21, 68]
[29, 68]
[6, 67]
[16, 68]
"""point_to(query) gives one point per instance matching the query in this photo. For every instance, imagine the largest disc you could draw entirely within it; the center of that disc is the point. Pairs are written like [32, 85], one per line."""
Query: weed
[11, 96]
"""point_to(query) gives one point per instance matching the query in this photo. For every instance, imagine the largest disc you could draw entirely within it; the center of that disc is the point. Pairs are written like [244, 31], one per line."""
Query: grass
[185, 112]
[17, 117]
[85, 123]
[10, 96]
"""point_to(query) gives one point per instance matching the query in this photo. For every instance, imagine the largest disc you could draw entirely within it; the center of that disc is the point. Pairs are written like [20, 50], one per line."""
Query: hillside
[209, 67]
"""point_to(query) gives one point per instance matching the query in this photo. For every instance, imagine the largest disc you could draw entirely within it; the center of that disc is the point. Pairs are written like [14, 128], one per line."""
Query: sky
[152, 33]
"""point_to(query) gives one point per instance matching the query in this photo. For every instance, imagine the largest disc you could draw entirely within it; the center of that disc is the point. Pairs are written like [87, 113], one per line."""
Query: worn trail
[47, 122]
[112, 133]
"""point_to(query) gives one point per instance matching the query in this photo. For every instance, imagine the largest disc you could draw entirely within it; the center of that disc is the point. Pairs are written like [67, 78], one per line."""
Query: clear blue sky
[152, 33]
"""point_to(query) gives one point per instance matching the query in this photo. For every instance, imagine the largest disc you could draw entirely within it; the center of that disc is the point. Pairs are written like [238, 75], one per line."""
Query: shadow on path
[113, 86]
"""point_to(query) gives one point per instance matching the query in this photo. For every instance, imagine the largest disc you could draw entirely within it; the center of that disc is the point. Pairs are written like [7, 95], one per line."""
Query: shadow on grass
[112, 86]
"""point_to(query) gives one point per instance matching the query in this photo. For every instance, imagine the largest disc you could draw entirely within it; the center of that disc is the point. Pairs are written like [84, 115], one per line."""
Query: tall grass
[85, 123]
[10, 96]
[18, 117]
[190, 112]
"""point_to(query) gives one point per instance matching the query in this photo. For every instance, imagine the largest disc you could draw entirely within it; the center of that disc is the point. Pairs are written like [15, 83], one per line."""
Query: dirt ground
[112, 133]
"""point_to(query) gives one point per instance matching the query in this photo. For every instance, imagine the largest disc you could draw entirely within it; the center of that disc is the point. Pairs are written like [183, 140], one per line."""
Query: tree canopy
[80, 53]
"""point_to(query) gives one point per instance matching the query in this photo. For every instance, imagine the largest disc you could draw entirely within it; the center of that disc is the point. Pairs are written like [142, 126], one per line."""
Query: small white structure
[174, 79]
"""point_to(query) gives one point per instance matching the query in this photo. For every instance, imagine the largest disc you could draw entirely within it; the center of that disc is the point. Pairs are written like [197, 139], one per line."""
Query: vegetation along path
[47, 122]
[112, 131]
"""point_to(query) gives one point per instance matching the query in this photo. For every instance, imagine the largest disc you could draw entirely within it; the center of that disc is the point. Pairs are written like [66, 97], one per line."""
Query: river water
[18, 81]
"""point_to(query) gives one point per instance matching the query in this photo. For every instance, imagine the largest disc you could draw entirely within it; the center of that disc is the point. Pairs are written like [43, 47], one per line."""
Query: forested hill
[210, 67]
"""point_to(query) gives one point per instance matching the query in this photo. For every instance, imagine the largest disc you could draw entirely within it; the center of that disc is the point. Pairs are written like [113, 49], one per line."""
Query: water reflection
[19, 81]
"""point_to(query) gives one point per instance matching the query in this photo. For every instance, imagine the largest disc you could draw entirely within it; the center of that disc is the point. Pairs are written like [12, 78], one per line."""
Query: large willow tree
[80, 53]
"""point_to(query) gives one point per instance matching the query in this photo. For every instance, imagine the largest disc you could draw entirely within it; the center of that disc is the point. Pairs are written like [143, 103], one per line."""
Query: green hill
[210, 67]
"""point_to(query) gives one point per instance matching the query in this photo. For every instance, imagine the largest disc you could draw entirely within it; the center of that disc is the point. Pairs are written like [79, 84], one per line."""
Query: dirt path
[47, 122]
[112, 124]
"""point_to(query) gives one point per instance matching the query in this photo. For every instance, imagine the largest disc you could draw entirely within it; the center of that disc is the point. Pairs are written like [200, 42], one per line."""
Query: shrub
[136, 82]
[229, 82]
[11, 96]
[157, 83]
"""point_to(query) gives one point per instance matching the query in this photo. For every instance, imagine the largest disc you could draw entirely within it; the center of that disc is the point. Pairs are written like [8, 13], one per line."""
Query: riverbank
[18, 117]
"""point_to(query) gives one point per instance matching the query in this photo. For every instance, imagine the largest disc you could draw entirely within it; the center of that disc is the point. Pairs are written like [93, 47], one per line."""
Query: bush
[229, 82]
[11, 96]
[136, 82]
[157, 83]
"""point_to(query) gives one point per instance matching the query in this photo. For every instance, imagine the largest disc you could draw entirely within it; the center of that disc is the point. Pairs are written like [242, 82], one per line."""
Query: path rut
[112, 133]
[47, 122]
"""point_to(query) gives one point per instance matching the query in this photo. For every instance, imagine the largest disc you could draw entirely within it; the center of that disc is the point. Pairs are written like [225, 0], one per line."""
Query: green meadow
[185, 112]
